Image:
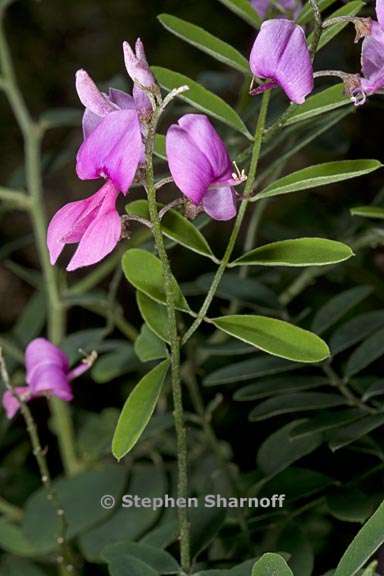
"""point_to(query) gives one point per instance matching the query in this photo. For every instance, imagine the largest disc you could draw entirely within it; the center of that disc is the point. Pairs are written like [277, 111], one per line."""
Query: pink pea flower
[286, 7]
[280, 55]
[372, 64]
[112, 149]
[48, 374]
[201, 167]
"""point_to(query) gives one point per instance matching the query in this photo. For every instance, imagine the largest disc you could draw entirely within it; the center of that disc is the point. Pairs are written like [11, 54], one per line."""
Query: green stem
[182, 449]
[316, 34]
[64, 559]
[56, 316]
[14, 198]
[239, 219]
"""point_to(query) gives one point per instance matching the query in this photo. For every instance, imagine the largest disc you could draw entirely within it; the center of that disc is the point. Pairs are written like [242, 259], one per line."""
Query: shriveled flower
[112, 149]
[48, 374]
[291, 8]
[280, 55]
[138, 69]
[201, 167]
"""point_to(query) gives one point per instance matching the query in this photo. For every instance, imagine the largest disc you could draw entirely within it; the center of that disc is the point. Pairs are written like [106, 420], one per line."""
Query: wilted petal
[219, 203]
[113, 150]
[280, 53]
[137, 65]
[207, 140]
[10, 402]
[102, 234]
[190, 168]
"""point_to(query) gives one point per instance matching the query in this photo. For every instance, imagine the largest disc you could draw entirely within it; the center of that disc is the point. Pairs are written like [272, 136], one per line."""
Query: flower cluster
[48, 374]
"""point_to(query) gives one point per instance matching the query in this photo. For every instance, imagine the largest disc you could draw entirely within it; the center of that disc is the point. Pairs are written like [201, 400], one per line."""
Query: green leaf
[279, 451]
[87, 488]
[145, 481]
[319, 175]
[176, 227]
[278, 385]
[352, 432]
[148, 346]
[325, 422]
[298, 252]
[363, 546]
[14, 541]
[271, 565]
[249, 369]
[356, 330]
[115, 363]
[205, 524]
[368, 212]
[369, 351]
[349, 504]
[320, 103]
[294, 541]
[154, 314]
[119, 557]
[294, 403]
[206, 42]
[137, 410]
[16, 566]
[243, 9]
[275, 337]
[31, 320]
[96, 432]
[337, 307]
[144, 271]
[201, 98]
[350, 9]
[296, 483]
[160, 150]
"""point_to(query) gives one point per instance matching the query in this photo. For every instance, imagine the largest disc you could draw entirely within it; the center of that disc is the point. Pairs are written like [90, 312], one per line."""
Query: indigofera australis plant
[213, 181]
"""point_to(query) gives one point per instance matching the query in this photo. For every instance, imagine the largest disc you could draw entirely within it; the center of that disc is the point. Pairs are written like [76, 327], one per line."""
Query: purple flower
[280, 55]
[48, 374]
[112, 149]
[201, 167]
[93, 223]
[290, 8]
[372, 64]
[111, 127]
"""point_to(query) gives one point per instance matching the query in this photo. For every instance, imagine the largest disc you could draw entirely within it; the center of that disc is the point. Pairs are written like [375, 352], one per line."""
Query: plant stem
[239, 219]
[182, 484]
[56, 317]
[316, 34]
[64, 559]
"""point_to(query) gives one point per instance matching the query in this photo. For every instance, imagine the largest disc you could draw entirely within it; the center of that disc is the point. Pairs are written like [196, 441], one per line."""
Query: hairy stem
[239, 219]
[182, 449]
[56, 317]
[316, 34]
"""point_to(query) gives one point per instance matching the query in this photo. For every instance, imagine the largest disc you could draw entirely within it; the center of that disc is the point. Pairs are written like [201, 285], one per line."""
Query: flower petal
[101, 236]
[11, 404]
[90, 122]
[113, 150]
[69, 224]
[280, 53]
[219, 203]
[123, 100]
[41, 353]
[90, 96]
[380, 12]
[207, 140]
[190, 168]
[372, 59]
